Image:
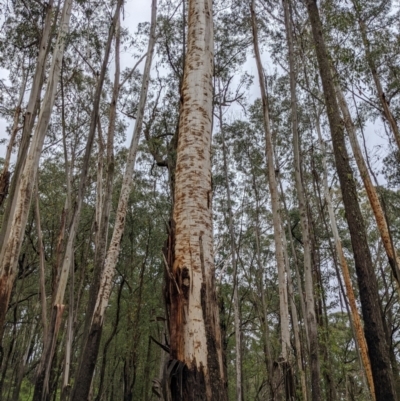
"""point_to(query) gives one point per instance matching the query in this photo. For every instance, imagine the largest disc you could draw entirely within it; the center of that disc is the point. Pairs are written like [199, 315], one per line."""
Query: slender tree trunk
[65, 387]
[5, 174]
[387, 113]
[12, 245]
[264, 312]
[43, 374]
[359, 334]
[236, 306]
[104, 197]
[91, 347]
[196, 349]
[29, 120]
[295, 322]
[308, 277]
[275, 203]
[373, 325]
[42, 267]
[293, 310]
[394, 260]
[22, 366]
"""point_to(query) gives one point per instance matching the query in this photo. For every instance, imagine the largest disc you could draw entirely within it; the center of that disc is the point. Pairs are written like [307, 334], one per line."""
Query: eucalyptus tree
[92, 342]
[196, 349]
[275, 202]
[304, 219]
[374, 330]
[11, 248]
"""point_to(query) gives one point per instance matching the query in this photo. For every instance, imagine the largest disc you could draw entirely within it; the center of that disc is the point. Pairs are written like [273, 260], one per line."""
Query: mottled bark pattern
[194, 320]
[372, 314]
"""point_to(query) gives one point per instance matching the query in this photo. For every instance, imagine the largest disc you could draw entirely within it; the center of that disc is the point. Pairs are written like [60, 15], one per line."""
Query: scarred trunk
[196, 351]
[372, 314]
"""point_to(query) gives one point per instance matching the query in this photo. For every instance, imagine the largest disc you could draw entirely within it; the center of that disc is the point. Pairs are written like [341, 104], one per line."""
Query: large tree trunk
[92, 341]
[196, 363]
[374, 331]
[275, 204]
[13, 242]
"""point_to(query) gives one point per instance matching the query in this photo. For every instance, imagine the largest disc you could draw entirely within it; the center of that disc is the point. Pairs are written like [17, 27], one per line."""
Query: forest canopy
[199, 200]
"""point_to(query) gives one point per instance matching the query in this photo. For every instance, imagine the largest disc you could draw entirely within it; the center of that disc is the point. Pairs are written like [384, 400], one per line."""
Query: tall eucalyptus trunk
[27, 126]
[355, 317]
[373, 324]
[380, 218]
[92, 341]
[275, 203]
[12, 244]
[305, 226]
[387, 112]
[195, 345]
[41, 391]
[236, 305]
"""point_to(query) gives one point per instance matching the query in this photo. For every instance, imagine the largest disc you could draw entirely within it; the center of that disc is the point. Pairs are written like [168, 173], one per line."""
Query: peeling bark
[196, 349]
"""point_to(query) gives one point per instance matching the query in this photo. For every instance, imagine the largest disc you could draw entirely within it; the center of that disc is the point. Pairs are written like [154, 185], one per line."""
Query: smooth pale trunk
[42, 266]
[236, 306]
[46, 362]
[29, 117]
[275, 203]
[358, 329]
[305, 227]
[9, 258]
[5, 174]
[91, 346]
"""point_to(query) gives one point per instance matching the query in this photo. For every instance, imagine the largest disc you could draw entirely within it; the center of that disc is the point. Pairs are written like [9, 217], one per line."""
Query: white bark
[236, 306]
[34, 97]
[9, 259]
[127, 182]
[275, 203]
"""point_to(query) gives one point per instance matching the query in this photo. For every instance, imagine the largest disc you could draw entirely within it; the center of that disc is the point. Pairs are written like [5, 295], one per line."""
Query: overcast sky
[137, 11]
